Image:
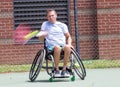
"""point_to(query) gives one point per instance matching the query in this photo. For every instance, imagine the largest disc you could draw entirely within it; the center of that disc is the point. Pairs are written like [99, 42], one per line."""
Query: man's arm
[68, 38]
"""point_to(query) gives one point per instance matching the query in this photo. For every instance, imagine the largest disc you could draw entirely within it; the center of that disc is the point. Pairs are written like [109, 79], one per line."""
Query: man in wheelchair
[57, 38]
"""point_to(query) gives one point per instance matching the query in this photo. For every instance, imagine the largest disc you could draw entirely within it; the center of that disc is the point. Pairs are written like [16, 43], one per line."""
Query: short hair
[49, 10]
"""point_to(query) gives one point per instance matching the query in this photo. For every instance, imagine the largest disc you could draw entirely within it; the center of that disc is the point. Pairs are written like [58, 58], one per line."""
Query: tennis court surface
[95, 78]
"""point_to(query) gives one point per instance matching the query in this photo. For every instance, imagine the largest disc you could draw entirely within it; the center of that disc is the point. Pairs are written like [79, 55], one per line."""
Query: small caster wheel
[51, 79]
[73, 78]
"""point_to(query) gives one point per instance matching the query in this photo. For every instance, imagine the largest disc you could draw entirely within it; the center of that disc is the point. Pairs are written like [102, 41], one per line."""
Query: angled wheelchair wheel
[37, 64]
[78, 64]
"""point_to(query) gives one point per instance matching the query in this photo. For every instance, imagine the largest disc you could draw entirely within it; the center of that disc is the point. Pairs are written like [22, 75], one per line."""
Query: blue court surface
[95, 78]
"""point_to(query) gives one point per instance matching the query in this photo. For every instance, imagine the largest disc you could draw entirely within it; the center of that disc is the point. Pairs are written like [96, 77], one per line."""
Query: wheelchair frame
[75, 63]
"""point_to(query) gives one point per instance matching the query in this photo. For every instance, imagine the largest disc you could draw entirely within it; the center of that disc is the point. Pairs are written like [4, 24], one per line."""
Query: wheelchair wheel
[78, 64]
[37, 64]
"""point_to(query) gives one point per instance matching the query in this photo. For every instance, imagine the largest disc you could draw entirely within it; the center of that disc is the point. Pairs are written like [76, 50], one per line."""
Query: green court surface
[95, 78]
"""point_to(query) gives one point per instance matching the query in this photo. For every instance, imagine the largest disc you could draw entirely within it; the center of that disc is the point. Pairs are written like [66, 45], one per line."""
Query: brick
[108, 3]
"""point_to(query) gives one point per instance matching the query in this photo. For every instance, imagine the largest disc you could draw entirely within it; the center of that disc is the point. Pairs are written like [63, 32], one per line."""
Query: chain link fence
[96, 51]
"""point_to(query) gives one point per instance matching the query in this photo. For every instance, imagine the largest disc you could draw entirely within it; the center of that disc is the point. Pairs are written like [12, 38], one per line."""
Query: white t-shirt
[55, 32]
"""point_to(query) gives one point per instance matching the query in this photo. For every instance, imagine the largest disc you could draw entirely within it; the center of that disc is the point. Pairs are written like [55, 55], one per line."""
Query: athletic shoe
[57, 73]
[65, 73]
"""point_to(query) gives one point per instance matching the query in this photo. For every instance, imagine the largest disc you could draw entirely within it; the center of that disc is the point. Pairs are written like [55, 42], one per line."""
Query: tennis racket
[21, 31]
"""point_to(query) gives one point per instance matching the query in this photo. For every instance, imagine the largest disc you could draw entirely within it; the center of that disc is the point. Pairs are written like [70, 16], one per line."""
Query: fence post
[76, 26]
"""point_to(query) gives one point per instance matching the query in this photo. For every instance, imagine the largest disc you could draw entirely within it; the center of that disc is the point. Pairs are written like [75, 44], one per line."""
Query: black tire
[37, 64]
[79, 69]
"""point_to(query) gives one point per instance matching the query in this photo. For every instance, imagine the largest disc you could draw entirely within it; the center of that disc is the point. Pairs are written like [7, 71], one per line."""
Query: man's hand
[41, 35]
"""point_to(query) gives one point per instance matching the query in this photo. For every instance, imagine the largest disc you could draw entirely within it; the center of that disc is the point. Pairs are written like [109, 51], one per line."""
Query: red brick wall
[109, 28]
[11, 53]
[17, 54]
[6, 18]
[87, 27]
[98, 26]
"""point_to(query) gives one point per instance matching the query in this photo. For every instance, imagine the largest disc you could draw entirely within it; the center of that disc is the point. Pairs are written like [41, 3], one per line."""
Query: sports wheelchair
[45, 60]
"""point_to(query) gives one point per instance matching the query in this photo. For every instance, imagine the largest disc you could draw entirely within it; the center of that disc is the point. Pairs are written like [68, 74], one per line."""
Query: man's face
[52, 16]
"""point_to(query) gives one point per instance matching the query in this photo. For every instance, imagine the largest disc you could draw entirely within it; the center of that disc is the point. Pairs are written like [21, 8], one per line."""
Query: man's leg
[67, 50]
[57, 50]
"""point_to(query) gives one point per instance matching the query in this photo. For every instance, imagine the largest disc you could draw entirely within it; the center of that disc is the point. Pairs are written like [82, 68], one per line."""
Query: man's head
[51, 15]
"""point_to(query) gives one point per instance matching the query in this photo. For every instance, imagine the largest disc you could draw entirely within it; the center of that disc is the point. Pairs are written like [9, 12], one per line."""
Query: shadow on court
[95, 78]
